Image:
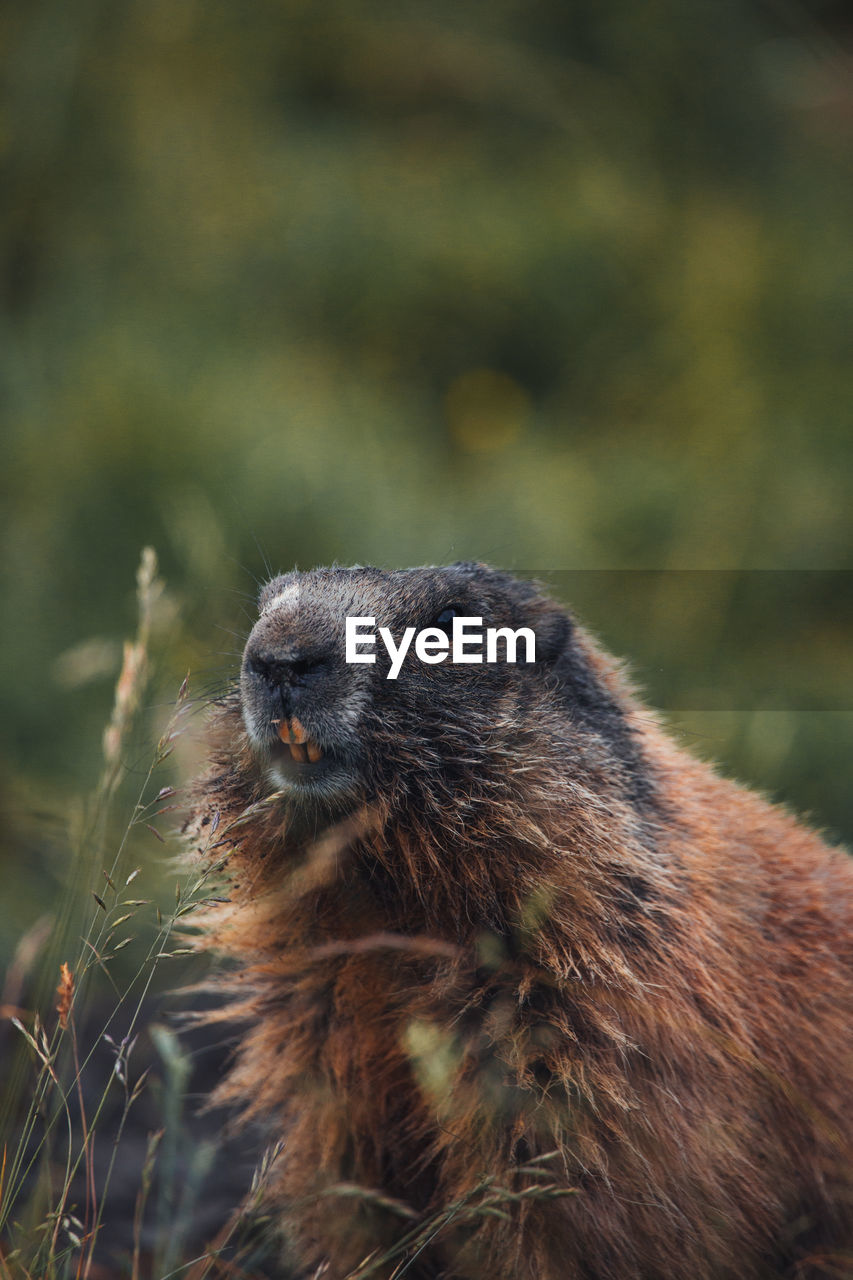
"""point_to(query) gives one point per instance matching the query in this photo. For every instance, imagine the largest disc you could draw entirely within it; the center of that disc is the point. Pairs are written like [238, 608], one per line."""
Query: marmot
[518, 968]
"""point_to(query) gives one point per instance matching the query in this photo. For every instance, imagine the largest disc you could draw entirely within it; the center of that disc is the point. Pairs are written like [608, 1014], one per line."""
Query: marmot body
[517, 968]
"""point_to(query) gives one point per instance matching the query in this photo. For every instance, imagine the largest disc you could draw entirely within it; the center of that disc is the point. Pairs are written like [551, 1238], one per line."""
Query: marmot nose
[286, 673]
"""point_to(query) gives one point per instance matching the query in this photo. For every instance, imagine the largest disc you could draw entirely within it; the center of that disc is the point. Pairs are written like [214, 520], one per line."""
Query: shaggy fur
[518, 957]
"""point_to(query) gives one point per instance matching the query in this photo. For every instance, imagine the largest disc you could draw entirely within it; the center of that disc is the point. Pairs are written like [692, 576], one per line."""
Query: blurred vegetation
[562, 287]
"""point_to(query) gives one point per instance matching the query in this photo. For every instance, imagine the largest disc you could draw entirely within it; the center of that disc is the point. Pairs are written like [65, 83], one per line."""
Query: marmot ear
[553, 628]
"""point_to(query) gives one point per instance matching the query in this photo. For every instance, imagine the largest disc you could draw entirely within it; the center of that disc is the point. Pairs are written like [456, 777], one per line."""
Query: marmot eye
[445, 618]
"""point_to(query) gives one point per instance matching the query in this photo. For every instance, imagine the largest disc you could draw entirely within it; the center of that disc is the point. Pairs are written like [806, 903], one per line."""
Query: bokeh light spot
[486, 410]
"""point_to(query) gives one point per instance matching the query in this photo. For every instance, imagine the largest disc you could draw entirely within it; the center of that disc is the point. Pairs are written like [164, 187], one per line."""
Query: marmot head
[330, 734]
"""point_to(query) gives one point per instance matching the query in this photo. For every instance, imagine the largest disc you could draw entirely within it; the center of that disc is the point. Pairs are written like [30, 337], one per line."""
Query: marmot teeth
[302, 748]
[292, 730]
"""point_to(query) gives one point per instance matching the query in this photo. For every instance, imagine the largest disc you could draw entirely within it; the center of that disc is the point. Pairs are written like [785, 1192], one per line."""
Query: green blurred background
[563, 286]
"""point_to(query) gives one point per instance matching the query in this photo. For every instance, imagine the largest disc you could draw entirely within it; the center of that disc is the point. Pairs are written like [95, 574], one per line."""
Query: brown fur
[535, 925]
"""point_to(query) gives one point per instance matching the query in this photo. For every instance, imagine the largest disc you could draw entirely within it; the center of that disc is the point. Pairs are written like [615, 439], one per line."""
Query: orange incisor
[302, 748]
